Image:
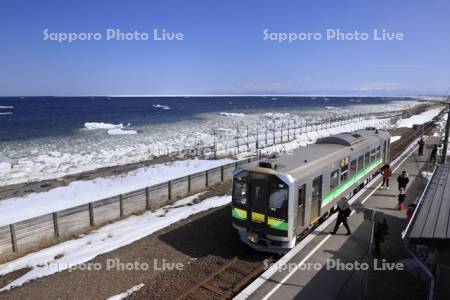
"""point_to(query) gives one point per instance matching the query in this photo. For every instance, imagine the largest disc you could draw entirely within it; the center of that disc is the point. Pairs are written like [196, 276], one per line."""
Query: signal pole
[447, 129]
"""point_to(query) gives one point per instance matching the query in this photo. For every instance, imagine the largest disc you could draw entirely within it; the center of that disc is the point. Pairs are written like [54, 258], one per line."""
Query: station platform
[324, 266]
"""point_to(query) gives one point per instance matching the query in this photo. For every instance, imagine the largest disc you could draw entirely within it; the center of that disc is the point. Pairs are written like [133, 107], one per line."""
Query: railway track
[232, 276]
[226, 281]
[400, 146]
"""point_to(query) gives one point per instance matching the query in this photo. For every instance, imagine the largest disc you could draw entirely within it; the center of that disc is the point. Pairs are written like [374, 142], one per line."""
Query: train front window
[240, 191]
[278, 200]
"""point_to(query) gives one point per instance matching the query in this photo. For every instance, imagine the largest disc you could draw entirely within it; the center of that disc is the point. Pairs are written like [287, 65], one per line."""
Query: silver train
[276, 200]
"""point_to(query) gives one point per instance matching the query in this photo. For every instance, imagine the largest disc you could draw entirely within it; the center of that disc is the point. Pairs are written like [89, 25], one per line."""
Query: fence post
[147, 198]
[247, 139]
[266, 134]
[169, 190]
[91, 214]
[189, 183]
[289, 130]
[12, 230]
[274, 131]
[56, 224]
[237, 138]
[215, 149]
[206, 178]
[121, 205]
[221, 174]
[257, 137]
[295, 127]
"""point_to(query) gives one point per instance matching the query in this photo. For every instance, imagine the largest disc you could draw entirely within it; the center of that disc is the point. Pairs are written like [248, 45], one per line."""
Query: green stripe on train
[274, 223]
[341, 188]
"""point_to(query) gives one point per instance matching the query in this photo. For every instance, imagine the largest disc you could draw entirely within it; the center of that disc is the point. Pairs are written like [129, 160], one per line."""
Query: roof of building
[431, 221]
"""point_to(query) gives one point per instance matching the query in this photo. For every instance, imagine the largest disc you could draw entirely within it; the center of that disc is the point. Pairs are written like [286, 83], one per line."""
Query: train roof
[324, 151]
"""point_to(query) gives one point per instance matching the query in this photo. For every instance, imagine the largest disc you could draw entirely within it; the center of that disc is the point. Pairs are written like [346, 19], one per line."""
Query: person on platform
[344, 212]
[387, 173]
[402, 181]
[379, 231]
[421, 146]
[433, 153]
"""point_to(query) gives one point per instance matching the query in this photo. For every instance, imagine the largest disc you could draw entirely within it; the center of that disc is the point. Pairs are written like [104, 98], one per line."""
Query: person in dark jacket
[433, 153]
[402, 181]
[421, 146]
[344, 212]
[379, 231]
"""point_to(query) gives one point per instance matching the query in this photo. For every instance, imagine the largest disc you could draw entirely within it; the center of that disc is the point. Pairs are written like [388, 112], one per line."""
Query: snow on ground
[80, 192]
[93, 148]
[127, 293]
[105, 239]
[395, 138]
[420, 118]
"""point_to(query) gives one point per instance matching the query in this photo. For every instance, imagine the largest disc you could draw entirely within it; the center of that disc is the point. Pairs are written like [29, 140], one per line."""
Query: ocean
[48, 137]
[40, 117]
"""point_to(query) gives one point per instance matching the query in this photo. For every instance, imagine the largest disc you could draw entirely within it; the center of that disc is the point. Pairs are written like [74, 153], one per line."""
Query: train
[276, 200]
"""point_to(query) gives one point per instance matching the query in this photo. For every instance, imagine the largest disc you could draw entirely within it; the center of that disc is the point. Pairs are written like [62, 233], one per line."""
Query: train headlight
[252, 237]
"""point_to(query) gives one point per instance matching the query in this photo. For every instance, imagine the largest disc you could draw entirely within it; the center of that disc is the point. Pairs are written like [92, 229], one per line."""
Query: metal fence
[44, 230]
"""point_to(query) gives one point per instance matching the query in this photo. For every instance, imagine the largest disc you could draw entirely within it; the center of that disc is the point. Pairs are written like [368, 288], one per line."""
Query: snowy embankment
[14, 210]
[419, 119]
[127, 293]
[395, 138]
[106, 239]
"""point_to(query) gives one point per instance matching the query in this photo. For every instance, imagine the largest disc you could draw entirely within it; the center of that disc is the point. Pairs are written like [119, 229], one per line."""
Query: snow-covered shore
[98, 145]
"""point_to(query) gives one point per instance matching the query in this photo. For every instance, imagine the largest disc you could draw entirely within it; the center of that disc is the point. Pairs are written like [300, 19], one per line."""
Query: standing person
[387, 173]
[433, 153]
[344, 212]
[401, 199]
[402, 181]
[379, 231]
[421, 146]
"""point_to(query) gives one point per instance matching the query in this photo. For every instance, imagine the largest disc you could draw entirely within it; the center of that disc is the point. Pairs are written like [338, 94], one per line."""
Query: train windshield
[264, 194]
[240, 190]
[278, 199]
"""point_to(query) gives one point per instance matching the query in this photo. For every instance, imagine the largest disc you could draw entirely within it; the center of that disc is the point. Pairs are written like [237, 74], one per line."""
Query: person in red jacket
[387, 173]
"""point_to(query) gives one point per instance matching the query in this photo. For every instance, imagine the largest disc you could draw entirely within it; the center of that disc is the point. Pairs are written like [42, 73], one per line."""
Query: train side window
[334, 179]
[378, 153]
[367, 159]
[353, 167]
[385, 150]
[344, 169]
[372, 155]
[316, 192]
[361, 162]
[301, 195]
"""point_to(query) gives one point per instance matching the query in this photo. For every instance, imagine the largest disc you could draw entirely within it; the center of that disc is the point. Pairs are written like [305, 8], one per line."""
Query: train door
[301, 206]
[316, 197]
[385, 151]
[258, 203]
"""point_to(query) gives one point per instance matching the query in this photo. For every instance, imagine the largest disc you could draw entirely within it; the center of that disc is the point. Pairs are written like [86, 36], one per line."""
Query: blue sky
[224, 51]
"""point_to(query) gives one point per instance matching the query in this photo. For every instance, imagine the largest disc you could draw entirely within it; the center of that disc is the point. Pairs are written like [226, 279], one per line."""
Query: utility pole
[447, 129]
